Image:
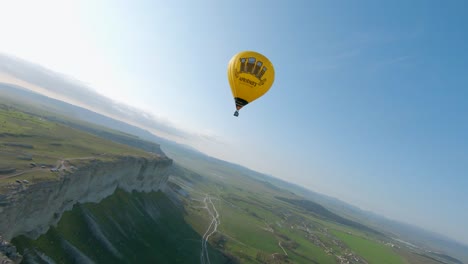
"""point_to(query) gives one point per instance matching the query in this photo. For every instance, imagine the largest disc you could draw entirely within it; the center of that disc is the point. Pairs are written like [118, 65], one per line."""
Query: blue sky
[369, 103]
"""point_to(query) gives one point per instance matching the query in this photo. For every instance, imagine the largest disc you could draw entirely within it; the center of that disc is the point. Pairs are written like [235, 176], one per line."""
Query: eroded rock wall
[32, 210]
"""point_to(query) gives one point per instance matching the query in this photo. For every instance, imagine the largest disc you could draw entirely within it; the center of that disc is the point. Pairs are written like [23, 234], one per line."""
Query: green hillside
[123, 228]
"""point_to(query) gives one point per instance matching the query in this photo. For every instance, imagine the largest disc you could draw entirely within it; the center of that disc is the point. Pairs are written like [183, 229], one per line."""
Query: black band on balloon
[240, 102]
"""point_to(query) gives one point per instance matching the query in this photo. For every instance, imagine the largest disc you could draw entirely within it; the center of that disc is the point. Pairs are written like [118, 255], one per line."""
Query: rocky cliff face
[32, 210]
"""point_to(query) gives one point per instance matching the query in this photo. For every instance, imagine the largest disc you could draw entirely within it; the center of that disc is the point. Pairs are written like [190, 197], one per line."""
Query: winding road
[212, 228]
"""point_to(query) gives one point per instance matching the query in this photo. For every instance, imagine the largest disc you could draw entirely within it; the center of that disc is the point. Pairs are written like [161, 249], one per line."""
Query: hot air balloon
[250, 75]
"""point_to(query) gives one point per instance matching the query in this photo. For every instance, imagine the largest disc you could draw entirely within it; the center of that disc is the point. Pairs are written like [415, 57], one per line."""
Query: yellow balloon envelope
[250, 75]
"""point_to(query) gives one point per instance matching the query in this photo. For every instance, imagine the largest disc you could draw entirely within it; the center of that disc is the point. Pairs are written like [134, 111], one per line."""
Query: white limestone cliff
[33, 209]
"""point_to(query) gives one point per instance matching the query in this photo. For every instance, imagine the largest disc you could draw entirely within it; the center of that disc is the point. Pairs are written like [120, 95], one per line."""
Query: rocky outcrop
[8, 254]
[32, 210]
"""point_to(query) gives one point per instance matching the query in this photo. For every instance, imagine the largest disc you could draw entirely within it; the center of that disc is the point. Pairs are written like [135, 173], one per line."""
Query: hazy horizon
[368, 108]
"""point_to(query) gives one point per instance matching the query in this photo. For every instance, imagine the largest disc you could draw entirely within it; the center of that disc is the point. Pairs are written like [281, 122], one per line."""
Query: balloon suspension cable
[236, 113]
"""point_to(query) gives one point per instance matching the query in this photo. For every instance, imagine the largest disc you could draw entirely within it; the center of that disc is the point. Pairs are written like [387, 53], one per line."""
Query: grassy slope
[55, 139]
[141, 228]
[43, 142]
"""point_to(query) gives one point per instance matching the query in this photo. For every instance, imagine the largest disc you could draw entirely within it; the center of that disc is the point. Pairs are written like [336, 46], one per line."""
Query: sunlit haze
[369, 103]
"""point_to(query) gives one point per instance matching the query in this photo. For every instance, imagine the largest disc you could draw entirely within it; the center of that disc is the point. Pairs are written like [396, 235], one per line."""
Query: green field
[255, 223]
[370, 250]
